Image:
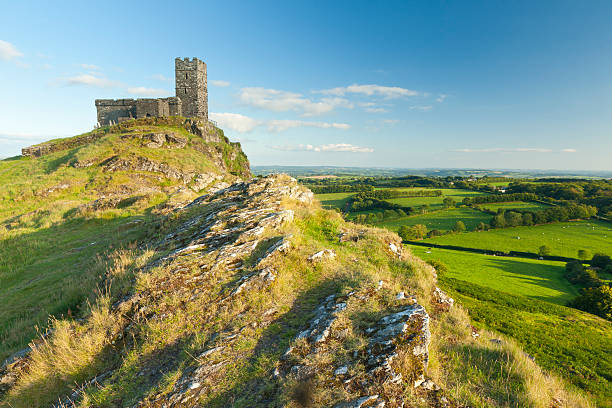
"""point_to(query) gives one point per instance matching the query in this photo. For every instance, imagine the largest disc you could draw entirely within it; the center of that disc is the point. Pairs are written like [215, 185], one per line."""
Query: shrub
[600, 260]
[440, 267]
[596, 300]
[415, 232]
[544, 250]
[459, 226]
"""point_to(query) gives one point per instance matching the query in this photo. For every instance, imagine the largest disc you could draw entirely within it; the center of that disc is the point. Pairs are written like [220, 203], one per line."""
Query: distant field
[454, 193]
[527, 277]
[442, 220]
[337, 200]
[521, 205]
[564, 238]
[331, 200]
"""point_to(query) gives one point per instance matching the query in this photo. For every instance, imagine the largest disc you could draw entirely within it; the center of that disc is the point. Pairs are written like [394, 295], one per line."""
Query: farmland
[441, 220]
[515, 205]
[535, 279]
[563, 238]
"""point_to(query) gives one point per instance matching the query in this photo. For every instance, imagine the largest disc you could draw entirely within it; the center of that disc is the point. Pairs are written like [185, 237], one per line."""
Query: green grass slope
[60, 211]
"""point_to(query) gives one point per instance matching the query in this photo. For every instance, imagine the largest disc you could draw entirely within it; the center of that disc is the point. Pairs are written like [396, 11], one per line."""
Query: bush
[577, 274]
[544, 250]
[597, 300]
[459, 226]
[440, 267]
[601, 261]
[415, 232]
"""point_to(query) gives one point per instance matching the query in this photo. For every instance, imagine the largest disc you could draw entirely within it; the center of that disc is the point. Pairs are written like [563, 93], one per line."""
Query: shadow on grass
[546, 276]
[256, 387]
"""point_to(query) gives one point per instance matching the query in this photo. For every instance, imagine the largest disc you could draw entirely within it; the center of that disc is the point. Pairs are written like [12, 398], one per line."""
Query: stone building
[191, 98]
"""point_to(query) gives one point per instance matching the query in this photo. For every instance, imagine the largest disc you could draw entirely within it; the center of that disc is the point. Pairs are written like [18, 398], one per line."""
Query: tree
[414, 232]
[584, 254]
[481, 226]
[499, 221]
[459, 226]
[513, 219]
[596, 300]
[600, 260]
[527, 219]
[544, 250]
[448, 202]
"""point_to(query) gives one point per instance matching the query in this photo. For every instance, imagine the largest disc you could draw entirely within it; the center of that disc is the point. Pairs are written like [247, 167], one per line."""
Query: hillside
[173, 278]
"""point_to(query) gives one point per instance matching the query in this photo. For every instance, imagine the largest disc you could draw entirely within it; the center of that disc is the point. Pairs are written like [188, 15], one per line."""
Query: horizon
[438, 85]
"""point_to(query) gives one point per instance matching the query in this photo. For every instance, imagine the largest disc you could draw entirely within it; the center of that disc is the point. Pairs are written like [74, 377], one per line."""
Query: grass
[49, 239]
[568, 342]
[334, 200]
[338, 200]
[158, 351]
[442, 220]
[534, 279]
[563, 238]
[515, 205]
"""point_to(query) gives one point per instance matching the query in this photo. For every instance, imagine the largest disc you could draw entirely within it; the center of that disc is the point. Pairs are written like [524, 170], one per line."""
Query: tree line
[595, 296]
[515, 218]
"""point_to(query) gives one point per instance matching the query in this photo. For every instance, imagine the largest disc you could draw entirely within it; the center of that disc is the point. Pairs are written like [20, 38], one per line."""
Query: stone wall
[115, 110]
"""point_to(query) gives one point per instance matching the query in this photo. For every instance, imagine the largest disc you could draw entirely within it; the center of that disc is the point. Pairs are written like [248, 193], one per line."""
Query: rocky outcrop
[396, 352]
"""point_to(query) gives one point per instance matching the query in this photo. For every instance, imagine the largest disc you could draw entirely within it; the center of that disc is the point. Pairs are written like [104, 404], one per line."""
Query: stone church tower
[191, 87]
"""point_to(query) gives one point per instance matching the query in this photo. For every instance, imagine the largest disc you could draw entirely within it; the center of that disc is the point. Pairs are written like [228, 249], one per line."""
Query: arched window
[185, 91]
[186, 75]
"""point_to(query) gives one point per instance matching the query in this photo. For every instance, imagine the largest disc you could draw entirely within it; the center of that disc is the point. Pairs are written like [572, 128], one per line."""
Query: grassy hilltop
[145, 267]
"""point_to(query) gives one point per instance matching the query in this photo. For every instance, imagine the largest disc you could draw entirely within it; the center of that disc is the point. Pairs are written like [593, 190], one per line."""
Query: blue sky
[492, 84]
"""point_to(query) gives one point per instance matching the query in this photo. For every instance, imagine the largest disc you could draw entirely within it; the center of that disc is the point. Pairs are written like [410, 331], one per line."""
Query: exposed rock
[322, 255]
[442, 297]
[402, 335]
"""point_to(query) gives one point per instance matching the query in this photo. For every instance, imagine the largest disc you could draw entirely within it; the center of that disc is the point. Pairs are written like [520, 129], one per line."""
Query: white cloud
[90, 80]
[506, 150]
[90, 67]
[390, 121]
[370, 90]
[8, 51]
[441, 98]
[568, 150]
[282, 101]
[220, 83]
[159, 77]
[281, 125]
[143, 91]
[241, 123]
[235, 121]
[334, 147]
[422, 108]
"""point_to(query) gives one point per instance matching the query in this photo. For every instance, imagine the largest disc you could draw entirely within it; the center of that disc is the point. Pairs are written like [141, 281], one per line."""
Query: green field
[535, 279]
[333, 200]
[519, 205]
[441, 220]
[338, 200]
[454, 193]
[563, 238]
